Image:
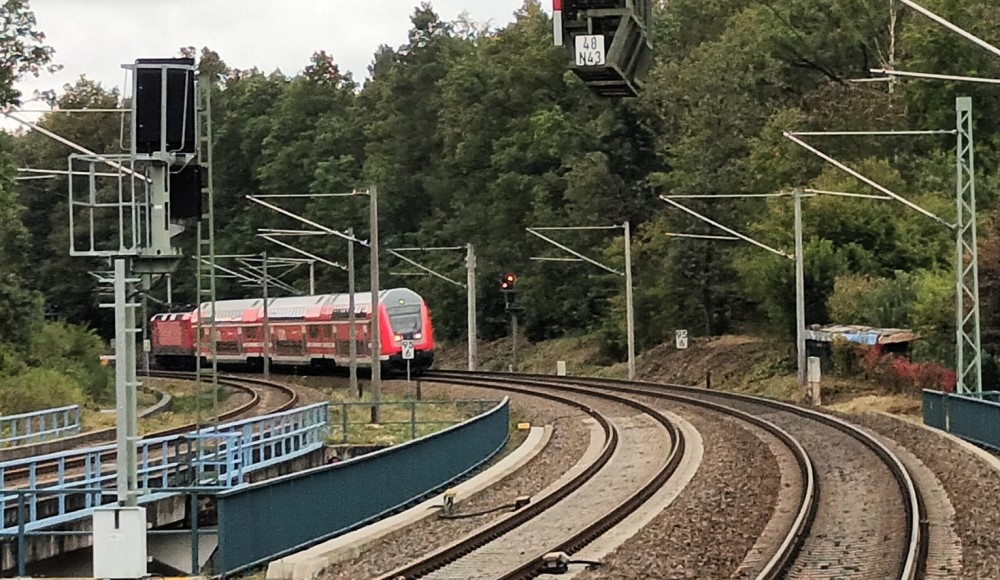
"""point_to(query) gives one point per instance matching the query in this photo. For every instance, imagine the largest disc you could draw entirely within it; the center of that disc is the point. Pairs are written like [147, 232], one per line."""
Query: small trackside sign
[407, 349]
[590, 50]
[681, 337]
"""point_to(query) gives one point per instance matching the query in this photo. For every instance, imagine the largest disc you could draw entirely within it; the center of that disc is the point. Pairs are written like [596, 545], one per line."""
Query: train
[302, 331]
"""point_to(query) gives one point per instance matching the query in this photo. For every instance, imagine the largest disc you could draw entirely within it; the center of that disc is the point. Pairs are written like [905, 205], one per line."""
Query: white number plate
[590, 50]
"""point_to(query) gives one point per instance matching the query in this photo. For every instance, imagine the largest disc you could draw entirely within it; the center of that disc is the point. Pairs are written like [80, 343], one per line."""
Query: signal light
[508, 282]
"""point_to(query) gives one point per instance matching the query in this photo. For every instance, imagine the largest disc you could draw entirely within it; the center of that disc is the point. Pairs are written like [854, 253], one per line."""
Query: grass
[184, 408]
[395, 417]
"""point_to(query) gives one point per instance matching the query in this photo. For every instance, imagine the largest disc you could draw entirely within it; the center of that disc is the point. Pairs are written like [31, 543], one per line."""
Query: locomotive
[301, 331]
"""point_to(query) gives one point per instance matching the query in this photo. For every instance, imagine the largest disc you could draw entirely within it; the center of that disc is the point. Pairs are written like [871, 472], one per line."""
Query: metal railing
[301, 508]
[350, 422]
[217, 457]
[38, 426]
[974, 417]
[21, 533]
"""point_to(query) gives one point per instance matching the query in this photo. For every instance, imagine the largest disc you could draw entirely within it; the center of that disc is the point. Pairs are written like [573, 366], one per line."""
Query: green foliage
[11, 361]
[471, 134]
[879, 302]
[933, 315]
[75, 352]
[22, 48]
[38, 389]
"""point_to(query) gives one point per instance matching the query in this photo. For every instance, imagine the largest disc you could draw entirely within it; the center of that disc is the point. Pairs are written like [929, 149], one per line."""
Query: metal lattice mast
[206, 244]
[969, 361]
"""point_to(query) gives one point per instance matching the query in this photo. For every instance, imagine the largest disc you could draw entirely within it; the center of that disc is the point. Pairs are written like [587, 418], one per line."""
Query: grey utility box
[119, 542]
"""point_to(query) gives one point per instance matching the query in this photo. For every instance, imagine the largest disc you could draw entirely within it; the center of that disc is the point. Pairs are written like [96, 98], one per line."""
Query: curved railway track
[454, 553]
[266, 397]
[815, 541]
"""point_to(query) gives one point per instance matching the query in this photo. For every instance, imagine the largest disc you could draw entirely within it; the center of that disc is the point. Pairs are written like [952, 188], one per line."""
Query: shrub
[76, 352]
[881, 302]
[38, 389]
[11, 363]
[900, 375]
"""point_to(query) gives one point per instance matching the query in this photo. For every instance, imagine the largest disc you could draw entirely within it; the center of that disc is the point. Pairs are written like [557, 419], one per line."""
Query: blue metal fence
[219, 456]
[311, 506]
[973, 417]
[935, 409]
[38, 426]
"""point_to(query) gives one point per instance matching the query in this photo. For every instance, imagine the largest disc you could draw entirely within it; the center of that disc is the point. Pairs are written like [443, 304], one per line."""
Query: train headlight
[418, 336]
[397, 337]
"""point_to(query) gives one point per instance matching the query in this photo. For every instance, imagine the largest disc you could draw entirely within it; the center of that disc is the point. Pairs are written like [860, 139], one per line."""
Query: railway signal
[508, 282]
[608, 40]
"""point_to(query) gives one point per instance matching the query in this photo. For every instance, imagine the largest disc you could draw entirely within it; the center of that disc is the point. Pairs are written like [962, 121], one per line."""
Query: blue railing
[304, 508]
[38, 426]
[301, 508]
[219, 457]
[974, 417]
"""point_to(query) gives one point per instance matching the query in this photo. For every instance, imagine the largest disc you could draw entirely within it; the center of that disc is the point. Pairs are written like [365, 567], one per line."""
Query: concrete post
[814, 381]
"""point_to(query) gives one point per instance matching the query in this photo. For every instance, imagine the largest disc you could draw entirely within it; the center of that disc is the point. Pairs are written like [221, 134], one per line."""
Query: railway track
[266, 397]
[830, 535]
[479, 549]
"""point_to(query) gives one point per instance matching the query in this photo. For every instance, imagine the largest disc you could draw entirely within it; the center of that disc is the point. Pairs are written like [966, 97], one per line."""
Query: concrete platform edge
[309, 563]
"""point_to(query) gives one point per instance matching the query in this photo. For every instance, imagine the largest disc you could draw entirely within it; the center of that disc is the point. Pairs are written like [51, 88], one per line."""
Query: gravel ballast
[570, 438]
[710, 527]
[973, 488]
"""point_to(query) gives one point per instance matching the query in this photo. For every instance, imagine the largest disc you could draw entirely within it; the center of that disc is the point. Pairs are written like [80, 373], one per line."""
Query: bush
[899, 375]
[38, 389]
[11, 363]
[74, 351]
[883, 302]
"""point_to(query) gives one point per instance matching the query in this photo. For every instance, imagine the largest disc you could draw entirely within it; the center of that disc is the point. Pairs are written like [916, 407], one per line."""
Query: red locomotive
[303, 331]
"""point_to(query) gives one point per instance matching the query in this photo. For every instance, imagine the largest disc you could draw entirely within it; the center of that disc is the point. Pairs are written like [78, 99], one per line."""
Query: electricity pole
[800, 293]
[266, 348]
[470, 285]
[375, 326]
[630, 310]
[352, 331]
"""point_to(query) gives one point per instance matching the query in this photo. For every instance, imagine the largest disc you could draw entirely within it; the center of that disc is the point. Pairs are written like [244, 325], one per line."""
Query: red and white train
[303, 331]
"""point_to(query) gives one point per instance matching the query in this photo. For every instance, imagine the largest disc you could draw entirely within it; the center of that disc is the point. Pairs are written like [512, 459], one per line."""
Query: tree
[22, 48]
[20, 308]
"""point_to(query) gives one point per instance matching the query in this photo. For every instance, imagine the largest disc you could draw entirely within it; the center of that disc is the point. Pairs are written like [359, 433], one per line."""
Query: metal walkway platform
[49, 490]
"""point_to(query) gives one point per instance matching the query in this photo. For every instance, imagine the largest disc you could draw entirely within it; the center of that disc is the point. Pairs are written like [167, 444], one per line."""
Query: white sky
[95, 37]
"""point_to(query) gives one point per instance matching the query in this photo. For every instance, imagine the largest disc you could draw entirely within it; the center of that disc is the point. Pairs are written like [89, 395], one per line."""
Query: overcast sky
[95, 37]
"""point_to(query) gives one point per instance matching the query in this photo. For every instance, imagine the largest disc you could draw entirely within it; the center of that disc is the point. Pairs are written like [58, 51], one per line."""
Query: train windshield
[405, 319]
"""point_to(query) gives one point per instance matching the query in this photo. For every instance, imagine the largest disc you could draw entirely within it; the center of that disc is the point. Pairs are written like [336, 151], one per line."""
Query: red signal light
[508, 281]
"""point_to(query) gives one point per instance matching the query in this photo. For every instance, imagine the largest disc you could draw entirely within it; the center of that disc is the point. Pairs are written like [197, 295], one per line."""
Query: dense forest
[472, 134]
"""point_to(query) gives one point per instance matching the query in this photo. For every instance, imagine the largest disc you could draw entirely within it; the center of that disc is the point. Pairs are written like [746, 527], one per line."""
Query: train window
[405, 319]
[314, 332]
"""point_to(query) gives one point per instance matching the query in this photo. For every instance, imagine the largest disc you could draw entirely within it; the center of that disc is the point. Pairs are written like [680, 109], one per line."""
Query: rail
[913, 560]
[38, 426]
[218, 457]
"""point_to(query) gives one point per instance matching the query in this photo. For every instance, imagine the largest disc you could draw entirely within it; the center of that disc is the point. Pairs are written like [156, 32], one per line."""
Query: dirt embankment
[749, 364]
